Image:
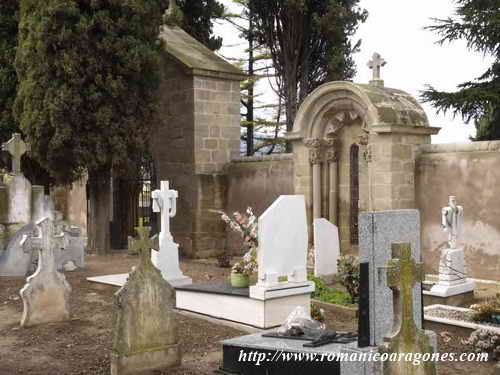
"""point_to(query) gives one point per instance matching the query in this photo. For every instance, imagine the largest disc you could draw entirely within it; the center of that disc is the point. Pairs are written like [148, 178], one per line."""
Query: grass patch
[326, 294]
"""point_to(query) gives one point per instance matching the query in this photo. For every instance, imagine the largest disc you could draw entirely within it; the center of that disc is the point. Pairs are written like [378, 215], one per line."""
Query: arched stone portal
[355, 145]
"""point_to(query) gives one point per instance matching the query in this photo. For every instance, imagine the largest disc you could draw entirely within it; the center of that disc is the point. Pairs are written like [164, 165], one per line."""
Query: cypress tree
[88, 78]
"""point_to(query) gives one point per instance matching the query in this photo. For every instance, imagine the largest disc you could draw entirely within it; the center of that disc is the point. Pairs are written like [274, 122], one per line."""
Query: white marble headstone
[283, 241]
[326, 247]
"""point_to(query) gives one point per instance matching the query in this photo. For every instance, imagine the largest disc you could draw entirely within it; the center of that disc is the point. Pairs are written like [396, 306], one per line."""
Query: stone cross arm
[17, 148]
[144, 243]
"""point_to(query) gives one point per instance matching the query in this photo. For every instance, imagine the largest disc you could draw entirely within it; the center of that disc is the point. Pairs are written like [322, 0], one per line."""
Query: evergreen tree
[198, 20]
[88, 76]
[309, 41]
[477, 22]
[8, 79]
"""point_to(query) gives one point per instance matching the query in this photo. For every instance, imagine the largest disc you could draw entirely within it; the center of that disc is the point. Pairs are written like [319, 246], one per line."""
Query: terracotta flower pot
[239, 280]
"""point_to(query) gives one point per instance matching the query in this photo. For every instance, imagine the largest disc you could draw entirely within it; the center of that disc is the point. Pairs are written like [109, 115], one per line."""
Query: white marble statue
[451, 221]
[452, 269]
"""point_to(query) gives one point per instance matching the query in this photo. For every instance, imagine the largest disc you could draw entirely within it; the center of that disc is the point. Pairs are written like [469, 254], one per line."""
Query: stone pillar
[314, 146]
[332, 160]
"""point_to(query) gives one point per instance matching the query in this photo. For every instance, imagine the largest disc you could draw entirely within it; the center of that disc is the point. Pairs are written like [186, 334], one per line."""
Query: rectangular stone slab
[378, 230]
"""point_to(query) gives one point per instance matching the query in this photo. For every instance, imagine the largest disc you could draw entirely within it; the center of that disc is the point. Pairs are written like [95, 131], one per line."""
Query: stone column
[314, 146]
[332, 160]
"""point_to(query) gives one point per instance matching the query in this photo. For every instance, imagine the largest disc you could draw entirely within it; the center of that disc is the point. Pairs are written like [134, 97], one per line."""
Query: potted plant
[246, 225]
[243, 269]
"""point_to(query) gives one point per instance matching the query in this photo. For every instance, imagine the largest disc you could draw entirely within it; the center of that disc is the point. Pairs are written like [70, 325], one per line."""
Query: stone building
[196, 137]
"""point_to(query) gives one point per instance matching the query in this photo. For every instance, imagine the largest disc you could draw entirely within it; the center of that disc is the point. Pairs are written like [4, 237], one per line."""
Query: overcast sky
[394, 29]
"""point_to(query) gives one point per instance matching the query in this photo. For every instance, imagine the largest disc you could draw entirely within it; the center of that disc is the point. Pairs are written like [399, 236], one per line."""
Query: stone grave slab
[378, 230]
[282, 274]
[46, 293]
[283, 357]
[326, 248]
[144, 327]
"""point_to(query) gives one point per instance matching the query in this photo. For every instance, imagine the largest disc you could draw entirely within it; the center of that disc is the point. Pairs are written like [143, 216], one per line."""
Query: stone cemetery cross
[46, 282]
[144, 244]
[375, 64]
[17, 148]
[165, 202]
[402, 274]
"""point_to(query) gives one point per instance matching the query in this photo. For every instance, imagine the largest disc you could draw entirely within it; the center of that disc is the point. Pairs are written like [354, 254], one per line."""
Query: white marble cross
[17, 148]
[167, 259]
[165, 202]
[376, 63]
[452, 218]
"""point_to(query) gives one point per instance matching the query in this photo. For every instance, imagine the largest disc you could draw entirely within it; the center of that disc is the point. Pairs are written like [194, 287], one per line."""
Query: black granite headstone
[364, 306]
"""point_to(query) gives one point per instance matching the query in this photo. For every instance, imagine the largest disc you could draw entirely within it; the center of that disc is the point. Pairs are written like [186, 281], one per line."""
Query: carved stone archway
[383, 124]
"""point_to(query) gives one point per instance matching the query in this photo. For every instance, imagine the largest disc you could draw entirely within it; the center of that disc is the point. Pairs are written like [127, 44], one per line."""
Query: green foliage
[197, 20]
[478, 23]
[88, 77]
[348, 273]
[9, 10]
[329, 295]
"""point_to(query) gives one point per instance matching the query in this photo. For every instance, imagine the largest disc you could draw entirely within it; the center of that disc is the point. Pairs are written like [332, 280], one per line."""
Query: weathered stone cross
[144, 244]
[376, 63]
[165, 202]
[402, 274]
[17, 148]
[47, 241]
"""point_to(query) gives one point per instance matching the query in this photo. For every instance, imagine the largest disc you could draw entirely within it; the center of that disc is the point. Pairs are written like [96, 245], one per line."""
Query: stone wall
[469, 171]
[256, 182]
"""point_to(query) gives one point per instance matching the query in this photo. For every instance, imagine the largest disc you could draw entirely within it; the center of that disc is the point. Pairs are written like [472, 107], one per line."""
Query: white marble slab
[326, 247]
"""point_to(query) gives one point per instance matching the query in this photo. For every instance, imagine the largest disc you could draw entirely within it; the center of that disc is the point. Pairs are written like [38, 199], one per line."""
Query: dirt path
[82, 345]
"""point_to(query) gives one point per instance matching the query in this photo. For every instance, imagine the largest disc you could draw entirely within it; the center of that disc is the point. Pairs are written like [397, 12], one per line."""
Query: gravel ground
[82, 345]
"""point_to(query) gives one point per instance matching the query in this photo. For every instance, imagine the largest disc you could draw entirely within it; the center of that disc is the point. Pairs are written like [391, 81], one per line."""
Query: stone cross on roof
[376, 63]
[17, 148]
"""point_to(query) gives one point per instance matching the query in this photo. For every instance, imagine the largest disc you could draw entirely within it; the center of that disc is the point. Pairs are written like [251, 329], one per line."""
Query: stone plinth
[452, 276]
[144, 328]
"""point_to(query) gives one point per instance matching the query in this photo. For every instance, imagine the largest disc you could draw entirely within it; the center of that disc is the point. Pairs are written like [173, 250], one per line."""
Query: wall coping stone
[485, 146]
[261, 158]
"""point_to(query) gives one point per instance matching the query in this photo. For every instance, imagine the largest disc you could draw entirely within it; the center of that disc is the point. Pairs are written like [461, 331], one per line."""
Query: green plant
[348, 273]
[326, 294]
[224, 260]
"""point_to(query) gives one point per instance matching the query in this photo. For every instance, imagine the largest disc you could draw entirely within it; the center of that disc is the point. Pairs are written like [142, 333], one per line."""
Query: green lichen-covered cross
[144, 243]
[402, 274]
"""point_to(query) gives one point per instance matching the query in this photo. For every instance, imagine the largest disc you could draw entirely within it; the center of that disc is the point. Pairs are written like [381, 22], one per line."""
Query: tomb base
[448, 289]
[220, 300]
[462, 299]
[258, 355]
[144, 362]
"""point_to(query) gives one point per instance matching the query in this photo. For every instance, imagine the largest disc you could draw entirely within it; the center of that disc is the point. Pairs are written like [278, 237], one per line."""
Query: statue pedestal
[452, 277]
